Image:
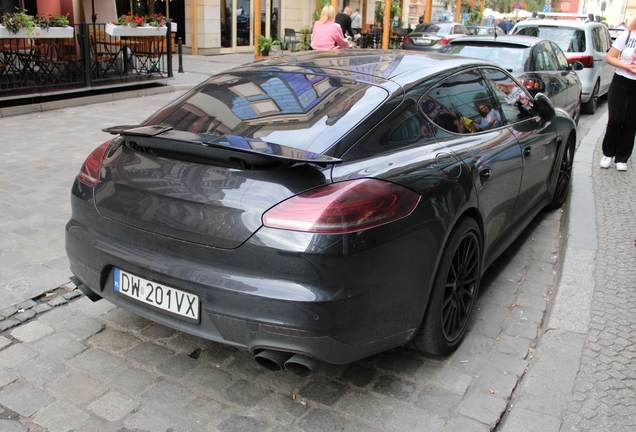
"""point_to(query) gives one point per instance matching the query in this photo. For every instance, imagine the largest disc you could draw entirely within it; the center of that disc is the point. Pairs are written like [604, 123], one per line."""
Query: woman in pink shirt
[327, 34]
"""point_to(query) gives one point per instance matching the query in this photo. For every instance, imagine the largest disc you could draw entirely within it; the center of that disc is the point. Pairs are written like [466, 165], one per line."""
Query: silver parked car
[434, 35]
[584, 41]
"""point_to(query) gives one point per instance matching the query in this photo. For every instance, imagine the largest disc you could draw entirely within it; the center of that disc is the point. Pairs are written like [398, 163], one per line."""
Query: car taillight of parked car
[90, 172]
[406, 39]
[343, 207]
[587, 61]
[443, 41]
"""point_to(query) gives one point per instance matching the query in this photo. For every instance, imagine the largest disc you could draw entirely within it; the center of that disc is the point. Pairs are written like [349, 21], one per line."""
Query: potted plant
[264, 45]
[138, 25]
[17, 24]
[21, 25]
[305, 39]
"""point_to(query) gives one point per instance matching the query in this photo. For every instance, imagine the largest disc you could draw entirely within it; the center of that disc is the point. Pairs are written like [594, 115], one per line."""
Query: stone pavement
[69, 364]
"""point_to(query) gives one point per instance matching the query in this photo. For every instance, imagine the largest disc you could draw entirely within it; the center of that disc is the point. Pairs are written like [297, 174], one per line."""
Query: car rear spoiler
[234, 149]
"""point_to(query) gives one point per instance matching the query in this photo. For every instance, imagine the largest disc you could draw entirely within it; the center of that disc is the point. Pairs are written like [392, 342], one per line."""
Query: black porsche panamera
[321, 207]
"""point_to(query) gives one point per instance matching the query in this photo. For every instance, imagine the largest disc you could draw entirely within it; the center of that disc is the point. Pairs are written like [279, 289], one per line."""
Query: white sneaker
[621, 166]
[606, 162]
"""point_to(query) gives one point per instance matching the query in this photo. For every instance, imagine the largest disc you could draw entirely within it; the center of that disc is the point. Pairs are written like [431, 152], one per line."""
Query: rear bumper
[335, 298]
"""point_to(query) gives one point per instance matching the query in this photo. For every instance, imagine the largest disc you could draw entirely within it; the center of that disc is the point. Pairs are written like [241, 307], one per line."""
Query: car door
[491, 156]
[537, 140]
[570, 78]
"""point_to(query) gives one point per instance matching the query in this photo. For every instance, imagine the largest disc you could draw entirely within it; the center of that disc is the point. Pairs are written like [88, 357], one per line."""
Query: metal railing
[89, 60]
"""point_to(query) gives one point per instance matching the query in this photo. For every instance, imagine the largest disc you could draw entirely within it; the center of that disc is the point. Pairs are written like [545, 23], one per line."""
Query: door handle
[527, 152]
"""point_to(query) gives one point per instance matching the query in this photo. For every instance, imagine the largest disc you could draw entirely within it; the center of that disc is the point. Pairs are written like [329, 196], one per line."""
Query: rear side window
[562, 60]
[462, 104]
[601, 39]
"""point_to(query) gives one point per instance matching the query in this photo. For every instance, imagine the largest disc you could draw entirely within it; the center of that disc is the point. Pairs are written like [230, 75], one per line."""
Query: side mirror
[544, 107]
[577, 66]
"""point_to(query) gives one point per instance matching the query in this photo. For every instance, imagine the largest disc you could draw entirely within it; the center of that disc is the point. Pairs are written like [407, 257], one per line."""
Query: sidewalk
[582, 377]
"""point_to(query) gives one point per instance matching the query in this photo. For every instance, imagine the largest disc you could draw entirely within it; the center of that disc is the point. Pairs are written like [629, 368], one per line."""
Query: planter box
[115, 30]
[53, 32]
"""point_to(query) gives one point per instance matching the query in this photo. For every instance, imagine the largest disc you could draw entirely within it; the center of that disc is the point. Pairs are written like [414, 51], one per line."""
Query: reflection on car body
[586, 42]
[538, 63]
[309, 207]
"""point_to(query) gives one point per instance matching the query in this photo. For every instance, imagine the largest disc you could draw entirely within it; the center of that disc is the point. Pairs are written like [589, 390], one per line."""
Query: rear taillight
[343, 207]
[406, 39]
[532, 84]
[443, 41]
[587, 61]
[90, 171]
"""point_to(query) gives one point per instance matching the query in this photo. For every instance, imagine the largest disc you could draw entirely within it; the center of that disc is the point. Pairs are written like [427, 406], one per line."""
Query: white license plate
[158, 295]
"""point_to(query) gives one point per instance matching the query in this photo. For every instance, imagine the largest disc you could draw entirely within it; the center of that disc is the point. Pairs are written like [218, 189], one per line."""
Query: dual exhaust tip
[276, 361]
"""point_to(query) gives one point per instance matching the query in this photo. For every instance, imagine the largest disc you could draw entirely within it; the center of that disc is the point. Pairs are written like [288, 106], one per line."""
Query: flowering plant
[154, 20]
[18, 20]
[130, 20]
[157, 20]
[47, 20]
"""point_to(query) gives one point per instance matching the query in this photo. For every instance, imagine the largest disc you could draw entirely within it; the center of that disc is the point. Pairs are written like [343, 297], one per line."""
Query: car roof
[507, 40]
[534, 22]
[380, 67]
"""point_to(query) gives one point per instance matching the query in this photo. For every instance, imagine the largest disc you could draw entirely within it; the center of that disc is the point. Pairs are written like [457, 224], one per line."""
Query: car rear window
[430, 28]
[300, 110]
[568, 39]
[510, 58]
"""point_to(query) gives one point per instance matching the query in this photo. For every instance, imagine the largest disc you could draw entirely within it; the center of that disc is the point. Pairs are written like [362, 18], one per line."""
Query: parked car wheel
[454, 292]
[589, 107]
[565, 175]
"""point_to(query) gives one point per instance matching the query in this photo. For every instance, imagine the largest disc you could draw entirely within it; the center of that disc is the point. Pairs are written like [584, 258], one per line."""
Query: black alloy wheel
[589, 107]
[564, 176]
[454, 292]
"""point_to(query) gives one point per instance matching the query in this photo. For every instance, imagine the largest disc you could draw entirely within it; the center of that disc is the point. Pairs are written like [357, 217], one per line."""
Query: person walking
[618, 142]
[356, 22]
[505, 25]
[344, 19]
[327, 34]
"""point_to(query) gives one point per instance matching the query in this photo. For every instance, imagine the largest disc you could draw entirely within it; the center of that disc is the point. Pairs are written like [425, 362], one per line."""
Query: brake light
[587, 61]
[343, 207]
[90, 171]
[406, 39]
[443, 41]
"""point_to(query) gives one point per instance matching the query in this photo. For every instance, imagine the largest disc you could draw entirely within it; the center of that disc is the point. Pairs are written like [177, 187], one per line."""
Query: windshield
[512, 59]
[298, 110]
[568, 39]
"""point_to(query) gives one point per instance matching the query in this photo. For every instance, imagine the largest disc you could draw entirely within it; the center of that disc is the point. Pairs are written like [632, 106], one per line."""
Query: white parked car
[584, 41]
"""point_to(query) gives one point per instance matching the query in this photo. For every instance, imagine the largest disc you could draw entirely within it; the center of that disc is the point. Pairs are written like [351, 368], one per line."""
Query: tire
[589, 107]
[454, 292]
[564, 176]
